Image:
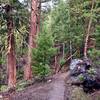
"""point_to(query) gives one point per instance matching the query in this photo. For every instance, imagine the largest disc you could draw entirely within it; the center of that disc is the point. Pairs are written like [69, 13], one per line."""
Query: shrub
[43, 53]
[41, 70]
[62, 61]
[95, 57]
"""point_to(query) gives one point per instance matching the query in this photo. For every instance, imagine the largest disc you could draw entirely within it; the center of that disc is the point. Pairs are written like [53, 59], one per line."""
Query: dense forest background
[40, 37]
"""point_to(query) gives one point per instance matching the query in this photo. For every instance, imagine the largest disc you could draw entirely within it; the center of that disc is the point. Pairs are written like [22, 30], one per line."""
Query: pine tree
[34, 29]
[11, 60]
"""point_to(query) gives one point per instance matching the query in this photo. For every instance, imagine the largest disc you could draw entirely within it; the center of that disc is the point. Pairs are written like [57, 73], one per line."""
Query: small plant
[20, 73]
[81, 78]
[21, 85]
[41, 70]
[2, 61]
[95, 55]
[3, 88]
[92, 71]
[62, 61]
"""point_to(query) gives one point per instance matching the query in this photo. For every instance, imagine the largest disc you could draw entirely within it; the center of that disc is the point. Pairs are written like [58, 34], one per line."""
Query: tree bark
[38, 15]
[34, 29]
[11, 60]
[88, 31]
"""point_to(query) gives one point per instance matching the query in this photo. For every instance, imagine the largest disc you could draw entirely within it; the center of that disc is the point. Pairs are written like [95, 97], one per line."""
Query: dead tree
[88, 31]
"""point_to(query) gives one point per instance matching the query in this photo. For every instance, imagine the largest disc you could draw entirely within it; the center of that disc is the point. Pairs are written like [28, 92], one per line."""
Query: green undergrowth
[79, 94]
[3, 88]
[21, 85]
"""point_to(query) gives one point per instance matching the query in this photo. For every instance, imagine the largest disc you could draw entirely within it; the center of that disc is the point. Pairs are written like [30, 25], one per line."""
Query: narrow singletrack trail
[57, 93]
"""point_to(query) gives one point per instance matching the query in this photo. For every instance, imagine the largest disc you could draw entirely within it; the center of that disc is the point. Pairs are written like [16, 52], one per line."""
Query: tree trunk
[88, 31]
[34, 29]
[70, 48]
[11, 60]
[57, 65]
[63, 50]
[38, 15]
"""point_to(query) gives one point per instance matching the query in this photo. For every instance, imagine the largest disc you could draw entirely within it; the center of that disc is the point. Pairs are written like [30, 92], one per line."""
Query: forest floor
[56, 88]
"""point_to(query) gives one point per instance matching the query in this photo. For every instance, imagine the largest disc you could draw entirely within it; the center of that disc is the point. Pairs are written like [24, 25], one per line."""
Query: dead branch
[88, 31]
[67, 61]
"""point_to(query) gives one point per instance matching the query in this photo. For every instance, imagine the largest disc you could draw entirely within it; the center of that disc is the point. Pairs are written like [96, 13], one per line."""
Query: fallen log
[76, 83]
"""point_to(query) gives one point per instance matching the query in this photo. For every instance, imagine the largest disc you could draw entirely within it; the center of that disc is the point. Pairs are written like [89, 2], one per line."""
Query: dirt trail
[57, 93]
[51, 90]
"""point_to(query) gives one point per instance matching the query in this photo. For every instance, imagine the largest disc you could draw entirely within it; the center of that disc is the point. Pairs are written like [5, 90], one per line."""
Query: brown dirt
[50, 90]
[57, 93]
[56, 89]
